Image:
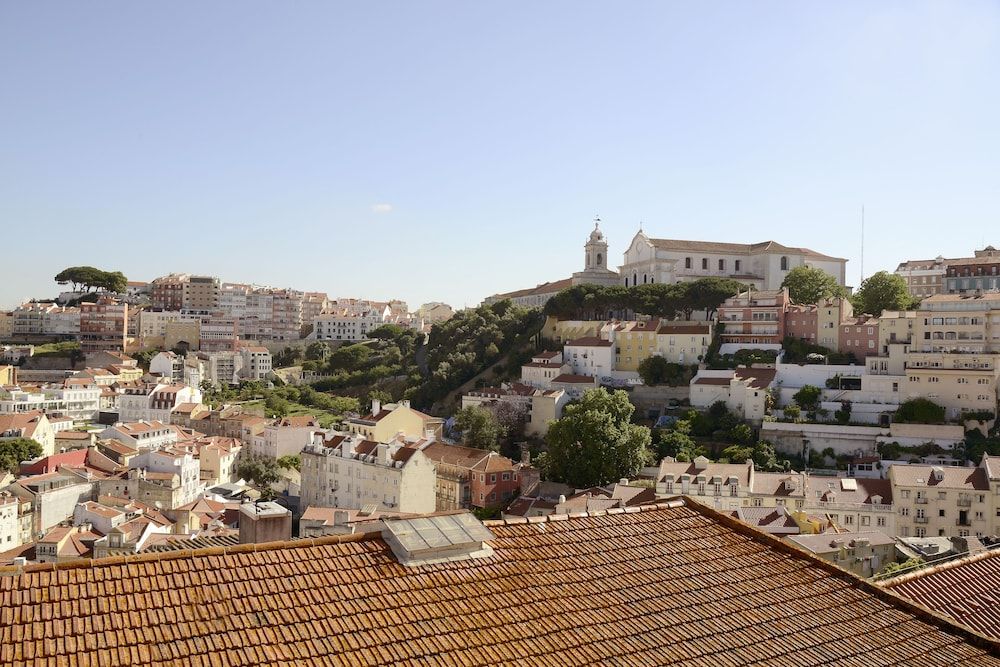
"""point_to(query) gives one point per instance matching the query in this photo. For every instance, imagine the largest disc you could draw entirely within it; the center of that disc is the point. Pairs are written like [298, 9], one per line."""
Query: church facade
[763, 265]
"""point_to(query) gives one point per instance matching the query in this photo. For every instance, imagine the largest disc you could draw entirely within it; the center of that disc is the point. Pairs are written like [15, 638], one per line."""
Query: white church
[647, 260]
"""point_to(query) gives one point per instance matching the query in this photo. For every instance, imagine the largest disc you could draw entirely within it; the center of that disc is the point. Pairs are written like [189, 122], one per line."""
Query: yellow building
[6, 325]
[385, 422]
[677, 342]
[8, 375]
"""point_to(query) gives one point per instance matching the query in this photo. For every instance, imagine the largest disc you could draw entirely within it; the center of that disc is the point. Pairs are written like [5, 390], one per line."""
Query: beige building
[33, 425]
[201, 293]
[863, 553]
[924, 277]
[386, 421]
[677, 342]
[947, 500]
[762, 265]
[730, 486]
[349, 471]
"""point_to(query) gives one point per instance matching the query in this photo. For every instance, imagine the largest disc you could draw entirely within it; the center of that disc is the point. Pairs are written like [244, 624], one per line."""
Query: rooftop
[671, 584]
[964, 590]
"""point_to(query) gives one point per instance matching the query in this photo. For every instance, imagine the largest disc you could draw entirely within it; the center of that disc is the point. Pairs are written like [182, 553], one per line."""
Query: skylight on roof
[437, 538]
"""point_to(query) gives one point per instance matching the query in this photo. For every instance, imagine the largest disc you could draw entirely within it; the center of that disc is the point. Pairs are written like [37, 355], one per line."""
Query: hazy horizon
[448, 151]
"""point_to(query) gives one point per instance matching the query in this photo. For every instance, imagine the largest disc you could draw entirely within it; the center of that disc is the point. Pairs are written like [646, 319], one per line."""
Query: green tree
[893, 568]
[882, 291]
[480, 428]
[919, 411]
[92, 278]
[737, 453]
[807, 284]
[317, 351]
[678, 445]
[792, 412]
[595, 442]
[263, 472]
[15, 450]
[741, 434]
[290, 462]
[653, 370]
[807, 398]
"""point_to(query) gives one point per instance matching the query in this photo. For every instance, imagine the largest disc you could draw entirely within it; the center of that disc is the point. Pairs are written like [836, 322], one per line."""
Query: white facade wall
[184, 466]
[57, 505]
[10, 528]
[332, 480]
[598, 361]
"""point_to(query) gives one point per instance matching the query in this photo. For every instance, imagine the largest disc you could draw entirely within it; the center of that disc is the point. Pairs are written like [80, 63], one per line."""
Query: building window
[737, 265]
[722, 265]
[880, 521]
[687, 262]
[704, 263]
[784, 263]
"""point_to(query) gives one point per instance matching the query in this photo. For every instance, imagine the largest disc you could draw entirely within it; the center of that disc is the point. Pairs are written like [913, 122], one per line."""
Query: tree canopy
[15, 450]
[655, 370]
[807, 284]
[91, 278]
[480, 428]
[596, 302]
[882, 291]
[919, 411]
[595, 443]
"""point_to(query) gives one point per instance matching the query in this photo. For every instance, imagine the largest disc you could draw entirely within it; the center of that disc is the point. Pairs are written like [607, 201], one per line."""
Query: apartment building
[468, 477]
[219, 333]
[347, 325]
[314, 304]
[385, 421]
[924, 277]
[103, 325]
[286, 314]
[33, 425]
[349, 471]
[10, 525]
[743, 390]
[179, 463]
[754, 317]
[167, 292]
[141, 435]
[970, 275]
[201, 293]
[76, 398]
[45, 319]
[946, 500]
[948, 351]
[256, 362]
[590, 356]
[543, 368]
[677, 342]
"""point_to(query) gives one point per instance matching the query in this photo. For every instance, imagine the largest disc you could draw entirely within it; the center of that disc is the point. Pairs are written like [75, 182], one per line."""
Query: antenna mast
[862, 244]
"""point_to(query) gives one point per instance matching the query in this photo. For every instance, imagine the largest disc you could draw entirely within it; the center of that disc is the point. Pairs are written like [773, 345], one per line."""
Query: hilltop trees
[882, 291]
[595, 302]
[807, 284]
[15, 450]
[91, 279]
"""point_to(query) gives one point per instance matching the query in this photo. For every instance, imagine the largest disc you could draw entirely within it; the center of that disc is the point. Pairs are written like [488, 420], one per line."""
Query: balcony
[965, 502]
[920, 519]
[921, 500]
[963, 522]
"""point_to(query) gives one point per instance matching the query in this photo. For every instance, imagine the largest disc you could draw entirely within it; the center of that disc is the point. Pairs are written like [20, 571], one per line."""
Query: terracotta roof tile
[670, 585]
[964, 589]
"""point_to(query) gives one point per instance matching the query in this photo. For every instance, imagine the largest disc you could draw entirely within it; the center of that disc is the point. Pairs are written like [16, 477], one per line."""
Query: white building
[256, 362]
[154, 402]
[182, 464]
[763, 265]
[45, 319]
[590, 356]
[543, 368]
[76, 398]
[346, 324]
[10, 526]
[744, 390]
[286, 437]
[345, 470]
[141, 435]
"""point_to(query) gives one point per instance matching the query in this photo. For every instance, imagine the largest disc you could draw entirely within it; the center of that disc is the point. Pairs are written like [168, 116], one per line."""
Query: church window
[635, 279]
[645, 279]
[722, 265]
[784, 263]
[737, 266]
[598, 259]
[687, 262]
[704, 263]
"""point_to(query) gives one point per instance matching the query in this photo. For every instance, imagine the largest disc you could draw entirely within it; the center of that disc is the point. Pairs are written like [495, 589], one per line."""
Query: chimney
[383, 454]
[341, 517]
[562, 500]
[376, 406]
[525, 456]
[20, 561]
[623, 481]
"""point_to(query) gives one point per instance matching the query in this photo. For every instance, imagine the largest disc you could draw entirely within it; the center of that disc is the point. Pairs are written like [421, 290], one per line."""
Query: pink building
[755, 317]
[802, 322]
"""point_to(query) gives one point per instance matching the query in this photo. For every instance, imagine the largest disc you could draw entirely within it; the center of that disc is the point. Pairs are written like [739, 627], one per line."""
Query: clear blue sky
[446, 151]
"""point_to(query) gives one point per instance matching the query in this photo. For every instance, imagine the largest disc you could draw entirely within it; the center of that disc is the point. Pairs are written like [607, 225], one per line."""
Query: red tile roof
[964, 590]
[679, 585]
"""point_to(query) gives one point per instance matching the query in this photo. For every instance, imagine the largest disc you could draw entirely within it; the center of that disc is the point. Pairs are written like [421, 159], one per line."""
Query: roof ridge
[934, 569]
[146, 556]
[879, 592]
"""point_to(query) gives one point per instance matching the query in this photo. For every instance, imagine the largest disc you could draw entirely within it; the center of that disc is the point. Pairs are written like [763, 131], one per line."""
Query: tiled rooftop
[668, 585]
[965, 590]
